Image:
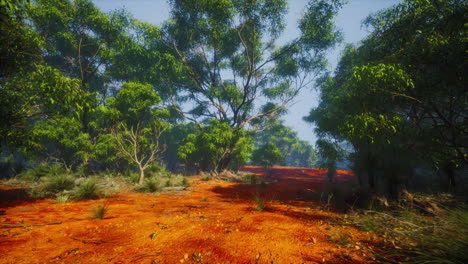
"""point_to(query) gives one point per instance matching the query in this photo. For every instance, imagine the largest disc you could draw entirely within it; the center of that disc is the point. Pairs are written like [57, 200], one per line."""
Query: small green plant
[407, 213]
[250, 178]
[132, 176]
[185, 181]
[169, 183]
[41, 170]
[253, 179]
[51, 185]
[206, 177]
[152, 184]
[88, 190]
[62, 198]
[197, 257]
[100, 211]
[370, 225]
[341, 238]
[61, 182]
[260, 200]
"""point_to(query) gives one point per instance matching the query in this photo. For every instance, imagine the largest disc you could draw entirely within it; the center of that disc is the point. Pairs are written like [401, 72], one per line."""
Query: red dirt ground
[210, 222]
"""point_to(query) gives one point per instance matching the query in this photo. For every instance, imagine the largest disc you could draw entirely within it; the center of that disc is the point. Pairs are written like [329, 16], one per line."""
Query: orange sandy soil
[210, 222]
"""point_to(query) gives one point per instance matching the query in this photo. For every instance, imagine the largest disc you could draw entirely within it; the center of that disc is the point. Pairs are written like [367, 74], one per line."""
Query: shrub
[151, 184]
[206, 177]
[60, 182]
[43, 169]
[448, 242]
[132, 176]
[52, 185]
[62, 198]
[88, 190]
[185, 181]
[251, 178]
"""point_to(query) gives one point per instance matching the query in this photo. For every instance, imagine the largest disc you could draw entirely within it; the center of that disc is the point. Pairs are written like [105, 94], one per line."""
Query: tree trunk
[371, 177]
[142, 176]
[225, 162]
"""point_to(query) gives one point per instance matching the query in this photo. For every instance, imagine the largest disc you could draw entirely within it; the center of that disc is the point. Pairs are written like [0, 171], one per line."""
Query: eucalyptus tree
[206, 148]
[297, 152]
[399, 97]
[231, 61]
[30, 90]
[136, 125]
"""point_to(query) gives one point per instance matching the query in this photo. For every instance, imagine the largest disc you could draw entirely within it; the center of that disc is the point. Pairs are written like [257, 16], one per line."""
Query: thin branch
[16, 225]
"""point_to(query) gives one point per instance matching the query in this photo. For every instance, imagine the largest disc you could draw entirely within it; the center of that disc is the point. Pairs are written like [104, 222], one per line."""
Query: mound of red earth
[209, 222]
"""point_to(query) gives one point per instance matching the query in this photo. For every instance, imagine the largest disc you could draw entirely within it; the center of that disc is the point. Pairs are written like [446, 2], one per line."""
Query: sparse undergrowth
[413, 232]
[53, 181]
[158, 182]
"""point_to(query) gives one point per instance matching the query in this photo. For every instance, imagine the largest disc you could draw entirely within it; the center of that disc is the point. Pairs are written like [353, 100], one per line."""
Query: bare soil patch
[209, 222]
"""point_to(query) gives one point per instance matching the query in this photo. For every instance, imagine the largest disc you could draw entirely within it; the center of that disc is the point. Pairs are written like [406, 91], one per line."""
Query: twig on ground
[16, 225]
[91, 241]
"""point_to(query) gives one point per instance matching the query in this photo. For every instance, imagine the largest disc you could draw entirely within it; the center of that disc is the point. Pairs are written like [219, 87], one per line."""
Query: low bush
[42, 170]
[156, 183]
[151, 184]
[62, 198]
[88, 190]
[425, 229]
[52, 185]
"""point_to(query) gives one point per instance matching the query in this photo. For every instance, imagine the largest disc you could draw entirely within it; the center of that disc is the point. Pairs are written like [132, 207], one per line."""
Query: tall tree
[230, 59]
[137, 125]
[401, 93]
[297, 152]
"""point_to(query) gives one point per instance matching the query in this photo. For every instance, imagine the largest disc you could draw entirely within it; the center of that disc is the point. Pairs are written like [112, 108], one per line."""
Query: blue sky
[348, 20]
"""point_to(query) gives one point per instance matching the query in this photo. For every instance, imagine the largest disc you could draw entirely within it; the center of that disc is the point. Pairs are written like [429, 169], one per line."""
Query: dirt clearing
[209, 222]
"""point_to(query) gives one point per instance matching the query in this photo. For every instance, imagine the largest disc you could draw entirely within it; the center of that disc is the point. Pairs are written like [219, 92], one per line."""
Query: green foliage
[297, 153]
[80, 39]
[52, 184]
[267, 155]
[60, 182]
[251, 178]
[216, 147]
[137, 125]
[43, 91]
[260, 201]
[41, 170]
[399, 97]
[100, 211]
[448, 242]
[156, 183]
[420, 238]
[62, 198]
[152, 184]
[212, 40]
[62, 138]
[330, 153]
[88, 190]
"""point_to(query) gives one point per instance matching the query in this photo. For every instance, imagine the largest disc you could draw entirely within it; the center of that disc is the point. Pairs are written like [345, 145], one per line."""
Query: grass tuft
[62, 198]
[88, 190]
[150, 185]
[260, 201]
[100, 211]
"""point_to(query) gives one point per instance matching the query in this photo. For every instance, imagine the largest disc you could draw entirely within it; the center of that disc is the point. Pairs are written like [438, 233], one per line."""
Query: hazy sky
[349, 21]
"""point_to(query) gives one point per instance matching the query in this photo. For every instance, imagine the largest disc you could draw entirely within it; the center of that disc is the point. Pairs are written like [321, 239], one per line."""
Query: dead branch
[91, 241]
[16, 225]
